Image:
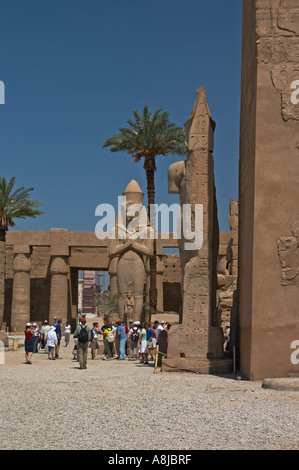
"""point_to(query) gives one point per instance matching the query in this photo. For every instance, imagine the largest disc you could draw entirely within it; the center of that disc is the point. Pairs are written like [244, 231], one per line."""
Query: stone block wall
[268, 188]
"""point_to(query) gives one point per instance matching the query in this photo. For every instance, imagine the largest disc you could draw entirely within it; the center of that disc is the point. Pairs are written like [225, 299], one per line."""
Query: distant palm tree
[14, 204]
[149, 136]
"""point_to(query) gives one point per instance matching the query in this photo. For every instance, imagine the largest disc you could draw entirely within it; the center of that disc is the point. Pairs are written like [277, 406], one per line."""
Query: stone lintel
[60, 250]
[25, 249]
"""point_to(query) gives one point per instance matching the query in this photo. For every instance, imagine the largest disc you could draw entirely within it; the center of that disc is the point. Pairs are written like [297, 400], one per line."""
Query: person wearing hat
[83, 334]
[36, 337]
[133, 338]
[29, 343]
[45, 330]
[51, 342]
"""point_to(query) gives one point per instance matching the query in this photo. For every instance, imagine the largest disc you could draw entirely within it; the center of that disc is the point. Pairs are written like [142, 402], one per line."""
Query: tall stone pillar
[197, 343]
[112, 269]
[269, 190]
[20, 308]
[59, 272]
[159, 281]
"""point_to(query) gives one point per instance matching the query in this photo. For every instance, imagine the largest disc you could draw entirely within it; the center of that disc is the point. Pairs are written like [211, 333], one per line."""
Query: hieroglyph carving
[278, 47]
[288, 252]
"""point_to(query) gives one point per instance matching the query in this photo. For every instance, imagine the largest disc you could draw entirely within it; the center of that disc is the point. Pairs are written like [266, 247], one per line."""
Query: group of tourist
[138, 341]
[134, 342]
[48, 338]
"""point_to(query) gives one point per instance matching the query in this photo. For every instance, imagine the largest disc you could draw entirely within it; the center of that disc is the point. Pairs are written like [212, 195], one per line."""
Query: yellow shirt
[106, 332]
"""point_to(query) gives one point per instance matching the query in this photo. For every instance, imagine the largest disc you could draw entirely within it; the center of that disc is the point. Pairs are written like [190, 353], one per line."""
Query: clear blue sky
[73, 72]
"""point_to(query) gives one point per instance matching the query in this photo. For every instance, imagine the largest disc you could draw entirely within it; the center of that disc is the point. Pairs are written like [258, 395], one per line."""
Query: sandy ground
[123, 405]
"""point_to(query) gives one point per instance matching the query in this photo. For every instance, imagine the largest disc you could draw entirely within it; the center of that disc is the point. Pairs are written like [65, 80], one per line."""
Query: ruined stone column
[20, 309]
[59, 270]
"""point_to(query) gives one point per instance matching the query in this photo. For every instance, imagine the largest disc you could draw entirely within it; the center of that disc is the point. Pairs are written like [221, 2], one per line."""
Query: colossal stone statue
[131, 242]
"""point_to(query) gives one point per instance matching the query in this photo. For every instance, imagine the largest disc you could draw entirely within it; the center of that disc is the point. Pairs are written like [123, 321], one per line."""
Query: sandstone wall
[268, 187]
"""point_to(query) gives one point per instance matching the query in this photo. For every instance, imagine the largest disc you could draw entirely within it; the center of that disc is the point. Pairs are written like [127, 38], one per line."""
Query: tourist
[116, 342]
[160, 327]
[67, 333]
[109, 339]
[121, 332]
[41, 336]
[46, 329]
[75, 349]
[227, 336]
[59, 334]
[154, 341]
[51, 342]
[29, 342]
[150, 344]
[133, 338]
[143, 345]
[36, 338]
[127, 332]
[94, 340]
[83, 334]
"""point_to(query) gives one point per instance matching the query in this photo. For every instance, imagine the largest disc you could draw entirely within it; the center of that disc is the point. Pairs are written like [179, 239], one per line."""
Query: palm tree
[14, 204]
[147, 137]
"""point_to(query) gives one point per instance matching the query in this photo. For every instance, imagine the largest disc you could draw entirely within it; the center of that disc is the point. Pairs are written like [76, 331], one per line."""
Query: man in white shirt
[160, 327]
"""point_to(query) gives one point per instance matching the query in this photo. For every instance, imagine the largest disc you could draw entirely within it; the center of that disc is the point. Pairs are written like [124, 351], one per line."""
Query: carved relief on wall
[288, 253]
[284, 80]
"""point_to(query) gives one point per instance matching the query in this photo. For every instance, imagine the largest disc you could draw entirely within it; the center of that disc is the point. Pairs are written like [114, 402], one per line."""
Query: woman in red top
[29, 339]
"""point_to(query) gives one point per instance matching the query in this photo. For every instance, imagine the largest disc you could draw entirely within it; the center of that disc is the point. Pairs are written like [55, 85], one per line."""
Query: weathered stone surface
[131, 247]
[199, 335]
[85, 251]
[268, 189]
[20, 309]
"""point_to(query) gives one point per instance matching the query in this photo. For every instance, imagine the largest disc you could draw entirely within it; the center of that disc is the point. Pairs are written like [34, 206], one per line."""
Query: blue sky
[73, 72]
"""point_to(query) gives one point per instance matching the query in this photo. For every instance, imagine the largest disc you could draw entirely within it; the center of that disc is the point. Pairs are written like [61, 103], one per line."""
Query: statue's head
[132, 210]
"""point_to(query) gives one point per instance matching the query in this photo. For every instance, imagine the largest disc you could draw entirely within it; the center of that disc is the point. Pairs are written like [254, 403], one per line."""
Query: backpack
[83, 335]
[110, 336]
[135, 336]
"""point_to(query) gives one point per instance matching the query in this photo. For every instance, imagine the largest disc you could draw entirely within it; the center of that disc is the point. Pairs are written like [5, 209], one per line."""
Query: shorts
[143, 347]
[51, 349]
[67, 336]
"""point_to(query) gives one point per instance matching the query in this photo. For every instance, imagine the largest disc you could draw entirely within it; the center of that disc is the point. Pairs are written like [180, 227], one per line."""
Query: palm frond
[148, 135]
[16, 204]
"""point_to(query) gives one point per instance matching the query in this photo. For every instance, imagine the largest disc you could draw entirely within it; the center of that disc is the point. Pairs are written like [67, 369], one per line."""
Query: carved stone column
[112, 269]
[20, 308]
[59, 270]
[159, 282]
